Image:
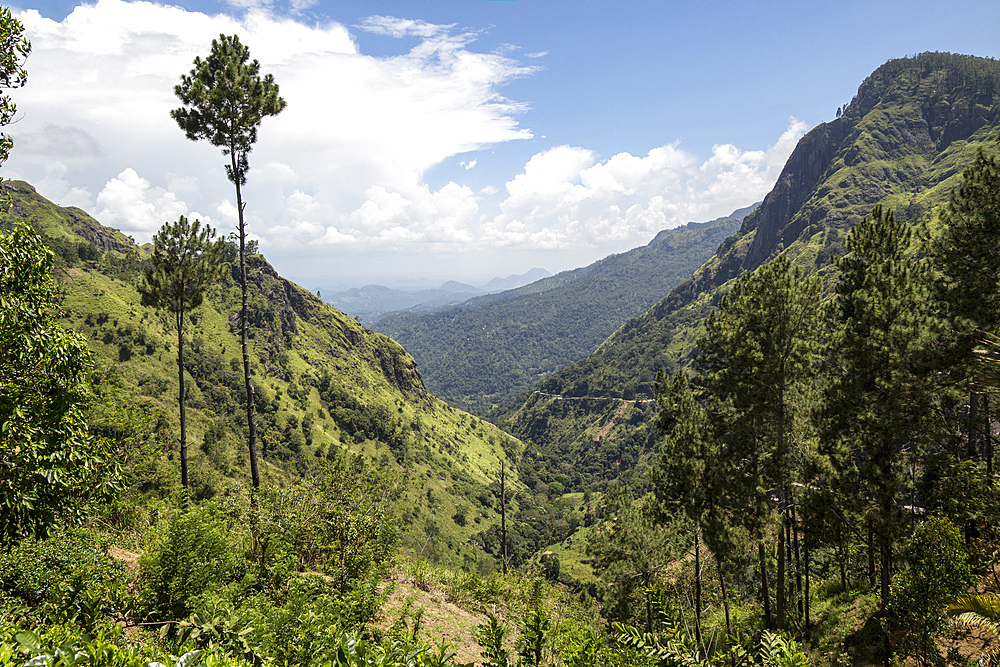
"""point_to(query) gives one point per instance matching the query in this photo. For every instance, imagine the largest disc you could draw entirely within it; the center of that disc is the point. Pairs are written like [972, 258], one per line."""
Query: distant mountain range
[371, 302]
[481, 352]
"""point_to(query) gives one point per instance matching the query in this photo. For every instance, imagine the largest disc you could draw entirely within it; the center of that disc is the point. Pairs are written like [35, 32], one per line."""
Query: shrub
[66, 577]
[193, 550]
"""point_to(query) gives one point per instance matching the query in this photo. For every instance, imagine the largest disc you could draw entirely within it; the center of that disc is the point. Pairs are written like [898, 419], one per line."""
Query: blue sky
[463, 138]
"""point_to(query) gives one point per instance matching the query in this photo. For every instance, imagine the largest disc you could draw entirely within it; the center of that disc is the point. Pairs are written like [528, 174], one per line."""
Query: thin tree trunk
[798, 561]
[725, 598]
[871, 553]
[988, 436]
[180, 380]
[503, 517]
[805, 539]
[972, 449]
[762, 558]
[779, 586]
[885, 561]
[697, 587]
[244, 332]
[765, 598]
[843, 558]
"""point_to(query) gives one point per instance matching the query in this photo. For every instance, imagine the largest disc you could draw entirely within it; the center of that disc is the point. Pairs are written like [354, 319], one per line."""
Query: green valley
[903, 142]
[484, 351]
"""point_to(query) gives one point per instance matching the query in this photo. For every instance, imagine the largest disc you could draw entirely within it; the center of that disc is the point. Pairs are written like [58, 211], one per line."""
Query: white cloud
[397, 27]
[101, 88]
[130, 203]
[566, 198]
[345, 165]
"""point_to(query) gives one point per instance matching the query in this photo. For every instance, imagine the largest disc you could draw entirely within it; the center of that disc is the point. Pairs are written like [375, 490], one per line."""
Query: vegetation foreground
[822, 492]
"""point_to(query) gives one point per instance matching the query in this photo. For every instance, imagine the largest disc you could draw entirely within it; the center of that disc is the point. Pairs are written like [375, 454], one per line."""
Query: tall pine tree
[185, 261]
[966, 259]
[876, 400]
[225, 99]
[757, 354]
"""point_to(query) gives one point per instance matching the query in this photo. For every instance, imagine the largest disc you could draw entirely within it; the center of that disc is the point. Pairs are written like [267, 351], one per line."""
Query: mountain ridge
[324, 385]
[903, 142]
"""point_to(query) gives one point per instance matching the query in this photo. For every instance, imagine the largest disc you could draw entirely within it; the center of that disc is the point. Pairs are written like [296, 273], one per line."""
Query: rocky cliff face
[905, 132]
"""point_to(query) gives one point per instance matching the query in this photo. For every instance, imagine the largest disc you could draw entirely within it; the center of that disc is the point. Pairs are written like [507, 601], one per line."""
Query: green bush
[938, 571]
[66, 647]
[194, 549]
[65, 577]
[303, 626]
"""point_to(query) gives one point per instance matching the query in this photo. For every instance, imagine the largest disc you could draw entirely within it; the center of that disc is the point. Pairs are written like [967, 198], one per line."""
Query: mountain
[902, 142]
[514, 281]
[371, 302]
[323, 385]
[483, 351]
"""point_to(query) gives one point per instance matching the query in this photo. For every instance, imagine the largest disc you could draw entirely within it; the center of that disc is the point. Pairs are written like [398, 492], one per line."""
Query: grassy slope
[296, 341]
[482, 352]
[903, 142]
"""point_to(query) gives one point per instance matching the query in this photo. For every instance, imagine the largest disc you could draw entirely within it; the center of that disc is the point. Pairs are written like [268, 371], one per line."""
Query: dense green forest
[203, 464]
[482, 352]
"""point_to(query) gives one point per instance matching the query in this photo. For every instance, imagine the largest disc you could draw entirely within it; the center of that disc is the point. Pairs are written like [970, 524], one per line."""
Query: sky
[454, 139]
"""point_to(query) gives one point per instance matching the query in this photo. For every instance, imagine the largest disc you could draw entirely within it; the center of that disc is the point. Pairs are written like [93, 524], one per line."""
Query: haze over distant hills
[481, 352]
[371, 302]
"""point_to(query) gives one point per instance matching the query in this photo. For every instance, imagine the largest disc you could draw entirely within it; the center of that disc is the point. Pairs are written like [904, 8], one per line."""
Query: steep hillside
[903, 142]
[323, 383]
[482, 352]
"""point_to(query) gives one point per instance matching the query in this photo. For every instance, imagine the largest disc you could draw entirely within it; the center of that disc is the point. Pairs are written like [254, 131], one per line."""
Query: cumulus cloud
[345, 165]
[566, 197]
[131, 204]
[101, 89]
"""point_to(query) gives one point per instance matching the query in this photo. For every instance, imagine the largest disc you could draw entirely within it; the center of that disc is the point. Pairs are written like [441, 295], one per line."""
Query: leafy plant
[492, 637]
[938, 572]
[194, 550]
[979, 611]
[535, 637]
[50, 465]
[223, 633]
